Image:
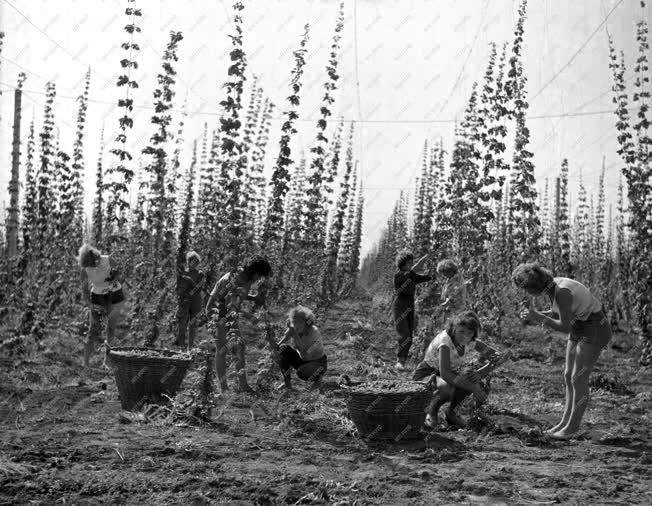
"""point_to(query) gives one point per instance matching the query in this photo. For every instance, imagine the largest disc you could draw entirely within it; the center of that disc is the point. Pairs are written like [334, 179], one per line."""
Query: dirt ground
[64, 440]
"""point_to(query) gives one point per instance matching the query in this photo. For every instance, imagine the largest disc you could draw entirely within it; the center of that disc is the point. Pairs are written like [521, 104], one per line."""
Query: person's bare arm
[286, 337]
[450, 377]
[211, 298]
[487, 352]
[564, 300]
[419, 262]
[115, 274]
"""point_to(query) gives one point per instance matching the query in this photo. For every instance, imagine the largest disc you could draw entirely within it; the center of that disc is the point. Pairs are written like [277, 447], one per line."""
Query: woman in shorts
[574, 310]
[103, 292]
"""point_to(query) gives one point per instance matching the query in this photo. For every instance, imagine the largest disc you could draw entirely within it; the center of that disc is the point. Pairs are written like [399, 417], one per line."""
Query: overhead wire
[575, 54]
[59, 46]
[357, 87]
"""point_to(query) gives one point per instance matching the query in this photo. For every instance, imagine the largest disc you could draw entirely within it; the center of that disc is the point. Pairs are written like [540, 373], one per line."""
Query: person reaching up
[404, 313]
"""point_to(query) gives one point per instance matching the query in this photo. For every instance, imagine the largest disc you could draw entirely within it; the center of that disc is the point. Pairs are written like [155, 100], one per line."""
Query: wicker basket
[142, 379]
[382, 414]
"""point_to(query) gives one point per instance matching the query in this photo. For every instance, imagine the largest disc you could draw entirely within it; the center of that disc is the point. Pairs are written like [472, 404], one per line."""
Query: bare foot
[431, 421]
[564, 434]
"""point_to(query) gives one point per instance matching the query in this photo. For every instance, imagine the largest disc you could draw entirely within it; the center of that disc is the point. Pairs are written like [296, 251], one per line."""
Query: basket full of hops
[147, 375]
[389, 410]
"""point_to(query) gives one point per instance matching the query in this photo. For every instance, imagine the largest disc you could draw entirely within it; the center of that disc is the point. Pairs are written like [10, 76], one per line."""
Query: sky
[406, 67]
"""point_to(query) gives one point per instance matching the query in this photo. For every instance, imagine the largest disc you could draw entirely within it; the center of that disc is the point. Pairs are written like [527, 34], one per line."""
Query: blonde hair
[192, 254]
[86, 251]
[302, 312]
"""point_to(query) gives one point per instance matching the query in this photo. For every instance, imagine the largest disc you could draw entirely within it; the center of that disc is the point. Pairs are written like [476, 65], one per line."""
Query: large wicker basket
[145, 379]
[386, 410]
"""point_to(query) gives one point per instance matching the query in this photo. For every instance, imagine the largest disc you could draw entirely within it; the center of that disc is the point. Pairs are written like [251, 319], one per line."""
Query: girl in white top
[102, 290]
[577, 312]
[444, 360]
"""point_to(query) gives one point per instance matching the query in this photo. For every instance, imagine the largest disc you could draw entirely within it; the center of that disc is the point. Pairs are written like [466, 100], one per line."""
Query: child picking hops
[307, 356]
[443, 362]
[454, 293]
[189, 284]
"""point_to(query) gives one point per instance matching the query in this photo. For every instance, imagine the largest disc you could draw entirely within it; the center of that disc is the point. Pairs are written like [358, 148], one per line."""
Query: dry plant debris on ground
[66, 438]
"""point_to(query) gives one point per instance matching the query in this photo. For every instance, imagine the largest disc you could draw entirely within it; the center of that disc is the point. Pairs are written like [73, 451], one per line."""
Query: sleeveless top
[97, 277]
[584, 303]
[456, 353]
[310, 345]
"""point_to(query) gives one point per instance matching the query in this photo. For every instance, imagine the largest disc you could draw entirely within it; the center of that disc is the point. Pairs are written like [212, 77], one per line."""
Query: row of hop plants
[484, 211]
[221, 204]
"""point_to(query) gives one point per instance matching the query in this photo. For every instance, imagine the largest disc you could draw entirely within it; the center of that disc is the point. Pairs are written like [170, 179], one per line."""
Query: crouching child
[307, 355]
[443, 364]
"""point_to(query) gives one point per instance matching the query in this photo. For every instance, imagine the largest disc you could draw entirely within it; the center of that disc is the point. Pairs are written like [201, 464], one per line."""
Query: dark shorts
[106, 299]
[312, 370]
[595, 331]
[423, 371]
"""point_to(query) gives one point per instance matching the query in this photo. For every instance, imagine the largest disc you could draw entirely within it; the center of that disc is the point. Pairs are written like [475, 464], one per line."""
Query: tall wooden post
[14, 187]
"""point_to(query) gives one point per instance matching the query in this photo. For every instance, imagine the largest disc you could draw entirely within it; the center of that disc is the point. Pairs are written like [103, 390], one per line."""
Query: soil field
[65, 440]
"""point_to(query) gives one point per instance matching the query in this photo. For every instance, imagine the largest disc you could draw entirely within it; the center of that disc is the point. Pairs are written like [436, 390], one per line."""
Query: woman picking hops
[443, 363]
[576, 311]
[101, 288]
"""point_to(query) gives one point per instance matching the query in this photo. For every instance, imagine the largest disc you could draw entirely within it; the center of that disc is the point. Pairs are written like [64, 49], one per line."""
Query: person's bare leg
[220, 356]
[192, 332]
[442, 395]
[456, 399]
[94, 330]
[113, 319]
[571, 348]
[240, 364]
[585, 359]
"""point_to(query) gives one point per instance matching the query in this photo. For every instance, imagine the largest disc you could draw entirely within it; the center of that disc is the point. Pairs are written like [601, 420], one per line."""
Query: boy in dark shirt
[405, 281]
[189, 284]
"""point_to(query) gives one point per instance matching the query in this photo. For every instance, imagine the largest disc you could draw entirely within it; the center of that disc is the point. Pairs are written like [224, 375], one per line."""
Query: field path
[61, 442]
